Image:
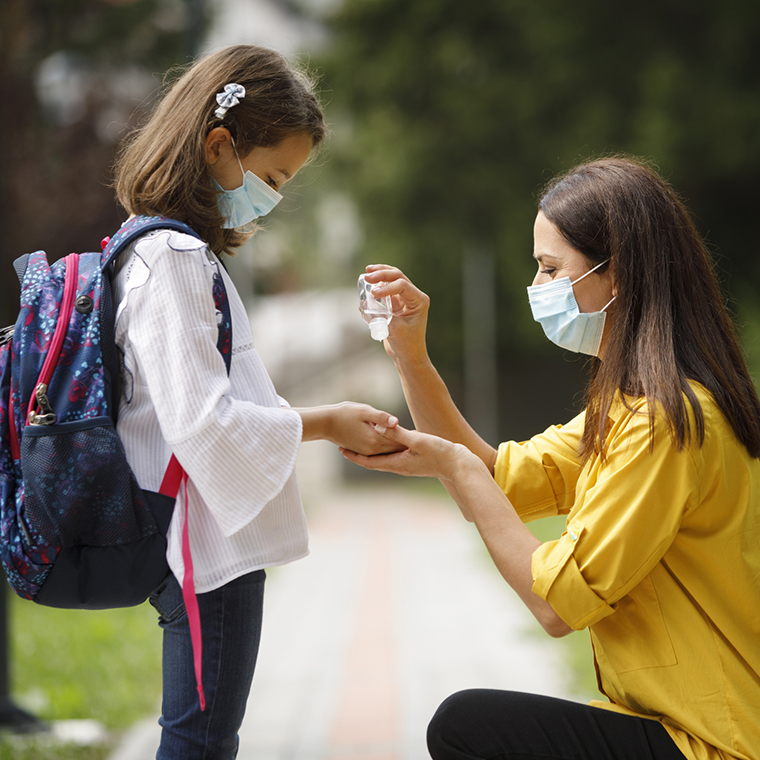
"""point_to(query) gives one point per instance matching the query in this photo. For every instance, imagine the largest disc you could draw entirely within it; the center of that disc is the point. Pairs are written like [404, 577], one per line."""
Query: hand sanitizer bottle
[377, 312]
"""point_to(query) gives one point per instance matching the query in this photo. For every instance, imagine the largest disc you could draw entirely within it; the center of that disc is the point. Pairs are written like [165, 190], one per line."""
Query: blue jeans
[231, 625]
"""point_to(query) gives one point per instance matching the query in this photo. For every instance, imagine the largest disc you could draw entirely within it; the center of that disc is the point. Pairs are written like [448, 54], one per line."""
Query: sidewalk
[397, 607]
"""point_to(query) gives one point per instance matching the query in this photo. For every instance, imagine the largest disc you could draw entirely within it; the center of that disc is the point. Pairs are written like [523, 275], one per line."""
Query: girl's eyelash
[548, 271]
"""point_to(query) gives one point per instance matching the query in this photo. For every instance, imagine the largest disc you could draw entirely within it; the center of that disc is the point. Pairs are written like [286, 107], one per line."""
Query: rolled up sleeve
[559, 581]
[627, 512]
[539, 476]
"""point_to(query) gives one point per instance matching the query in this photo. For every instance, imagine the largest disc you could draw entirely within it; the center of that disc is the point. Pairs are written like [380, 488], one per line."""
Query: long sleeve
[232, 435]
[627, 512]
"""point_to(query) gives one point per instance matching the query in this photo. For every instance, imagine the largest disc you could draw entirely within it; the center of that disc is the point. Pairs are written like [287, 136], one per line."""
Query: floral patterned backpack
[76, 530]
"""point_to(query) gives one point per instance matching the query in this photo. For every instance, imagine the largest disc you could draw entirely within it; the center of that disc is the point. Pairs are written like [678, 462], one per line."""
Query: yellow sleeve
[539, 475]
[627, 513]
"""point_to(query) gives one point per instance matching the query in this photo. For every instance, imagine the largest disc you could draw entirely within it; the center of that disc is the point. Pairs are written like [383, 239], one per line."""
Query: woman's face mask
[554, 307]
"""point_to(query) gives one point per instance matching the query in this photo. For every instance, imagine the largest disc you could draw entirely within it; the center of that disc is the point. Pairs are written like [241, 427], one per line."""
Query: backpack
[76, 530]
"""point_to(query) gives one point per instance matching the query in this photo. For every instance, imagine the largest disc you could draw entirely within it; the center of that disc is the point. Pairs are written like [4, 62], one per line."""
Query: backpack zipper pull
[46, 415]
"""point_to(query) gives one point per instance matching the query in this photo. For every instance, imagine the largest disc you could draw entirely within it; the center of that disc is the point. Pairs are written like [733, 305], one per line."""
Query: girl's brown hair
[670, 322]
[161, 169]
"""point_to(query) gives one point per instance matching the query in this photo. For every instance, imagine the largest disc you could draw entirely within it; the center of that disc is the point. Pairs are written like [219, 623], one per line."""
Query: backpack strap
[139, 225]
[134, 228]
[174, 479]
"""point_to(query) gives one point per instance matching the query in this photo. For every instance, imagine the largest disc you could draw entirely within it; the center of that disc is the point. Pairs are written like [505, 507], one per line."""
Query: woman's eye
[548, 271]
[273, 183]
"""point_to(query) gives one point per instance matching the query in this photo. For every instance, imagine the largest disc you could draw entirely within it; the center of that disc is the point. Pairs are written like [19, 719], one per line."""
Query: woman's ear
[218, 145]
[613, 282]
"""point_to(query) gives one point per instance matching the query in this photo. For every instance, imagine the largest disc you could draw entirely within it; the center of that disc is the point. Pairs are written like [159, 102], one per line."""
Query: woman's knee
[454, 729]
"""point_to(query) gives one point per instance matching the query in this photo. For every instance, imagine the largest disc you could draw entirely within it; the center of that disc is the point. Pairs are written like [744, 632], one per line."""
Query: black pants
[484, 724]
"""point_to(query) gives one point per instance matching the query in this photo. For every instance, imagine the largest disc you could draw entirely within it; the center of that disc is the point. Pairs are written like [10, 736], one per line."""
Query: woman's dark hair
[669, 323]
[162, 170]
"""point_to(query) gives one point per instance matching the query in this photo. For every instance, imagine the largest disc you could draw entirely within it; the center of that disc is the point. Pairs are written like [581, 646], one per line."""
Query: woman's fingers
[382, 421]
[396, 433]
[371, 269]
[379, 462]
[390, 281]
[423, 455]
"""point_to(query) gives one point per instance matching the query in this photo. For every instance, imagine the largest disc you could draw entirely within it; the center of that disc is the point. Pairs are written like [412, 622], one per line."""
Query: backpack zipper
[44, 414]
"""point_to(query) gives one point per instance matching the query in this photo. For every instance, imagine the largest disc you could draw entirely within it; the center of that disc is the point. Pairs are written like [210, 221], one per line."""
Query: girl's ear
[218, 144]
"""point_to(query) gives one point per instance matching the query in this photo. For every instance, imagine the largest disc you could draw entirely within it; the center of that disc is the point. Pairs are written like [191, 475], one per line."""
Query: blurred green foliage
[450, 116]
[73, 75]
[28, 748]
[76, 664]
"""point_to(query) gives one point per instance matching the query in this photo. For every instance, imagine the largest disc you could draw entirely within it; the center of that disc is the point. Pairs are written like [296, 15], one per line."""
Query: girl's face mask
[554, 307]
[254, 198]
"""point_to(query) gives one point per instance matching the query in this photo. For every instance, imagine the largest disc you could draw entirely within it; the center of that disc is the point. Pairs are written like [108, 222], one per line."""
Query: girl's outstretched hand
[406, 341]
[422, 455]
[350, 426]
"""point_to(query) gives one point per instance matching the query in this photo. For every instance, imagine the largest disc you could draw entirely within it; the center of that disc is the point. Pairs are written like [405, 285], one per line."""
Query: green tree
[72, 72]
[450, 116]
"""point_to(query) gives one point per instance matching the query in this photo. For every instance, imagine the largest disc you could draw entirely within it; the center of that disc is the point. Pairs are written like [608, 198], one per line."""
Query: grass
[18, 748]
[71, 664]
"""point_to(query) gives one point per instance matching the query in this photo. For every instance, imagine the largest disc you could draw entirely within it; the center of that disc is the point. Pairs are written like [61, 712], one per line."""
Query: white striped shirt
[232, 435]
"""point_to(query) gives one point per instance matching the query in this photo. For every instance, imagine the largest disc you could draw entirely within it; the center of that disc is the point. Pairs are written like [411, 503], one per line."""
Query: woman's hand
[427, 397]
[428, 456]
[417, 454]
[406, 341]
[350, 426]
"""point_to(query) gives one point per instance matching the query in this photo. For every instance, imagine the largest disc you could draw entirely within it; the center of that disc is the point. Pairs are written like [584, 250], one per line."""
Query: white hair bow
[229, 97]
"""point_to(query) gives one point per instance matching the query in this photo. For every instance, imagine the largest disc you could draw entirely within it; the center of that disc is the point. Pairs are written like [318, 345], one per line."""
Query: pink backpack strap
[175, 477]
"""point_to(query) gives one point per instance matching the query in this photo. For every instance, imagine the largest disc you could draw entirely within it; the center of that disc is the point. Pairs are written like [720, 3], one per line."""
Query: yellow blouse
[660, 560]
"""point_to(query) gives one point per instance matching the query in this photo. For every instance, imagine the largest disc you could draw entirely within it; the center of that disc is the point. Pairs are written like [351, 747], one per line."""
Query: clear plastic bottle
[377, 312]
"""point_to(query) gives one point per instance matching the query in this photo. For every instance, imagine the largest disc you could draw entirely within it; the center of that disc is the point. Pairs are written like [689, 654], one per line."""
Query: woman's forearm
[434, 411]
[509, 542]
[426, 394]
[471, 485]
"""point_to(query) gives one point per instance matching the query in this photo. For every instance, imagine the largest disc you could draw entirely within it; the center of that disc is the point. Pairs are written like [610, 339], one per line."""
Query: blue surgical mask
[254, 198]
[554, 307]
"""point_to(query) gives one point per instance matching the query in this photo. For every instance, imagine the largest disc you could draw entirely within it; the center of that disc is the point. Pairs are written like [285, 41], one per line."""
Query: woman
[658, 477]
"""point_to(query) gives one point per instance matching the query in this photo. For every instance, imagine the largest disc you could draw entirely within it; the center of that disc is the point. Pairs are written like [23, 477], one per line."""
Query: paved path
[397, 607]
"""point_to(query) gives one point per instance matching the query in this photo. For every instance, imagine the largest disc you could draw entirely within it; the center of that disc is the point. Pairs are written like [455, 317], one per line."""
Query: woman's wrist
[466, 469]
[473, 480]
[414, 365]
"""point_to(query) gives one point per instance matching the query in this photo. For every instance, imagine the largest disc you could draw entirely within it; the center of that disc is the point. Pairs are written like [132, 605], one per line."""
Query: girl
[659, 479]
[215, 154]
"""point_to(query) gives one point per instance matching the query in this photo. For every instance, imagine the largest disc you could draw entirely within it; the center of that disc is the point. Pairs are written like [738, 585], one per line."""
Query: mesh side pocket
[78, 487]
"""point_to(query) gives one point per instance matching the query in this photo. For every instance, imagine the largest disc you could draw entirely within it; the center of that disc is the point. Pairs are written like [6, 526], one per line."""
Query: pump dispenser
[377, 312]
